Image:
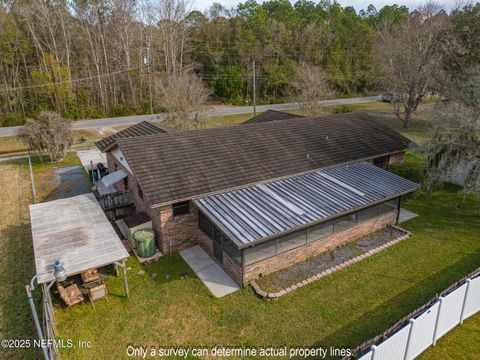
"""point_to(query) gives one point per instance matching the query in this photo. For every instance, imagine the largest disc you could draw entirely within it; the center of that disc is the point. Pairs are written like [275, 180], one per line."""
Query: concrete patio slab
[196, 258]
[406, 215]
[212, 275]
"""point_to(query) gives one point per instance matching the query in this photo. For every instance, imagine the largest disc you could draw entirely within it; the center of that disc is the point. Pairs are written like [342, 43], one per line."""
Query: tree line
[95, 58]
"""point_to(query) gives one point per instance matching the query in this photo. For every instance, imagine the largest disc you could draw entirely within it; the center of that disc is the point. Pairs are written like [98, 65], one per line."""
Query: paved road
[214, 112]
[15, 157]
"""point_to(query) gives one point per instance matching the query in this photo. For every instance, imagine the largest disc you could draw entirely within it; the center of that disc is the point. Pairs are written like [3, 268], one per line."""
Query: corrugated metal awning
[113, 178]
[261, 211]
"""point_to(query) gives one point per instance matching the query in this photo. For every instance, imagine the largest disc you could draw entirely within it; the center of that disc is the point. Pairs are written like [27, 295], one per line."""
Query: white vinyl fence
[426, 325]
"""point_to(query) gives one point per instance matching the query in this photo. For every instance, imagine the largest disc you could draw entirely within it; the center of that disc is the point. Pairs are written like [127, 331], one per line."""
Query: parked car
[390, 96]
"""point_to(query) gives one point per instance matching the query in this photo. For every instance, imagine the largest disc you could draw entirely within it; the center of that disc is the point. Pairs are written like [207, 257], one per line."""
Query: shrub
[120, 110]
[342, 109]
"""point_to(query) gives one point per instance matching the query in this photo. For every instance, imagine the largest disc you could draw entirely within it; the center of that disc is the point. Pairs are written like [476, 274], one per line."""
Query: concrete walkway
[406, 215]
[212, 275]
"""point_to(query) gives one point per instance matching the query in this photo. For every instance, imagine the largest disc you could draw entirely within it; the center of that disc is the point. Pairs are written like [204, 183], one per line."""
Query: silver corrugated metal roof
[76, 231]
[260, 211]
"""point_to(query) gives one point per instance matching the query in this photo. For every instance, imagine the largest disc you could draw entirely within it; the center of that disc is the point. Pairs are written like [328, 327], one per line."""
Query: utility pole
[147, 62]
[254, 92]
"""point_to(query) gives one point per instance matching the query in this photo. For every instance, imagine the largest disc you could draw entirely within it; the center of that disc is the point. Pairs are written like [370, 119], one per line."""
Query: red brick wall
[179, 232]
[229, 265]
[232, 268]
[205, 242]
[302, 253]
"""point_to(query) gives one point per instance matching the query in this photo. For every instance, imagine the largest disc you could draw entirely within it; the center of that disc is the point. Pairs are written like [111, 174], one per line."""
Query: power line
[69, 81]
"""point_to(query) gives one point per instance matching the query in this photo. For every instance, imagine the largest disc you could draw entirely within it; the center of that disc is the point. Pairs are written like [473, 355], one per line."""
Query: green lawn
[344, 309]
[463, 342]
[16, 257]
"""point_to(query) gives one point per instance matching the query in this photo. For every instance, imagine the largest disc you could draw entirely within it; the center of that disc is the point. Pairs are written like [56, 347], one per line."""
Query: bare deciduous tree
[168, 19]
[183, 95]
[408, 58]
[312, 86]
[50, 133]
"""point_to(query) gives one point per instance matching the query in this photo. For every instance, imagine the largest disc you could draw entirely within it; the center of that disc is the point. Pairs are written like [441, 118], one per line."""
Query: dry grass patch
[16, 257]
[11, 145]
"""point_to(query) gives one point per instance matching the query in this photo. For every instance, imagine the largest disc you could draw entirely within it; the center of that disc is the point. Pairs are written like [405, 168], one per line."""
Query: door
[217, 244]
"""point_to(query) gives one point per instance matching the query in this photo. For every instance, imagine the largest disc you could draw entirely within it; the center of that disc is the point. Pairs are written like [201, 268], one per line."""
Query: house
[262, 196]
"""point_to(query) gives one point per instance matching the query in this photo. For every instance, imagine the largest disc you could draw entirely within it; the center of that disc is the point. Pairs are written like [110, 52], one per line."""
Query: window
[181, 208]
[260, 251]
[319, 231]
[217, 235]
[345, 222]
[125, 183]
[368, 213]
[115, 166]
[205, 225]
[292, 240]
[231, 249]
[140, 192]
[388, 206]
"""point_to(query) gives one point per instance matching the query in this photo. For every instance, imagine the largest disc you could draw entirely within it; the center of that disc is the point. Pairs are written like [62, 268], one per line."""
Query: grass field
[16, 257]
[81, 138]
[344, 309]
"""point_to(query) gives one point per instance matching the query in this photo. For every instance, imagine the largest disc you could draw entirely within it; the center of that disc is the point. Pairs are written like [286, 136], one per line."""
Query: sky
[357, 4]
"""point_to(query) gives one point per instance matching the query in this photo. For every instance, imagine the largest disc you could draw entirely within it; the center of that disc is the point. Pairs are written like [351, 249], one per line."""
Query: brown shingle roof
[140, 129]
[181, 165]
[271, 115]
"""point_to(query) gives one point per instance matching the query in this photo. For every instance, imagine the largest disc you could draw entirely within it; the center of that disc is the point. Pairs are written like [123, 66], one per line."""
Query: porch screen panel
[291, 241]
[260, 251]
[368, 213]
[231, 249]
[319, 231]
[345, 222]
[205, 225]
[388, 206]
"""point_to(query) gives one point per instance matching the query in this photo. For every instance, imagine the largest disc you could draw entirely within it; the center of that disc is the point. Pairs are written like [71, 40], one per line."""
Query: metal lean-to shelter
[75, 231]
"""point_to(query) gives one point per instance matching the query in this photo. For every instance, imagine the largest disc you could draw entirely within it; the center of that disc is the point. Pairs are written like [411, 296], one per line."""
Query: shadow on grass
[379, 319]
